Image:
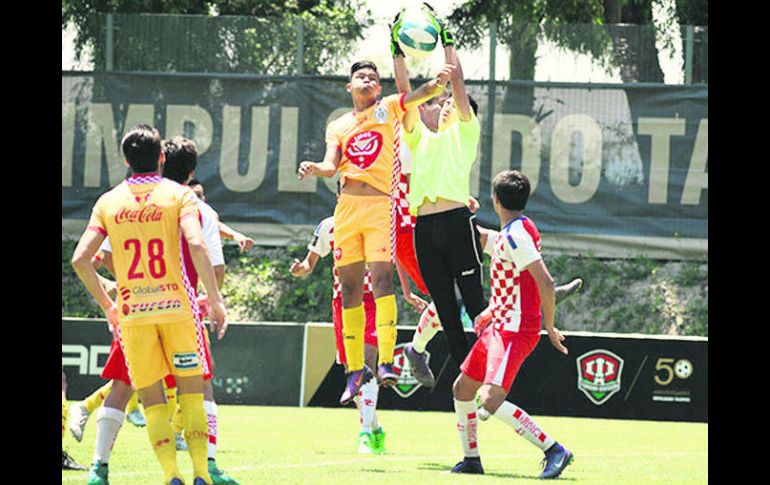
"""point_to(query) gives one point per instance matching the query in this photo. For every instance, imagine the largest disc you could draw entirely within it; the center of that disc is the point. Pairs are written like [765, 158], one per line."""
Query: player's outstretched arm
[81, 262]
[429, 89]
[327, 168]
[547, 290]
[244, 242]
[191, 229]
[306, 266]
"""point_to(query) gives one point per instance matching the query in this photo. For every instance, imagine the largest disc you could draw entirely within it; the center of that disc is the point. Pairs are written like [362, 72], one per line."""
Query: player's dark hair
[511, 188]
[181, 158]
[474, 105]
[363, 65]
[194, 182]
[141, 147]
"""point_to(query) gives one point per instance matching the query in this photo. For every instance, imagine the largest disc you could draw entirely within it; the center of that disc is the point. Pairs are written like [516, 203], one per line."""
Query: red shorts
[497, 356]
[370, 331]
[408, 258]
[116, 368]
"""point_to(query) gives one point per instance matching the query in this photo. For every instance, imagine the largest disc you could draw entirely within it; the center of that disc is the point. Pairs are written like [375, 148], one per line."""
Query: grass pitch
[269, 445]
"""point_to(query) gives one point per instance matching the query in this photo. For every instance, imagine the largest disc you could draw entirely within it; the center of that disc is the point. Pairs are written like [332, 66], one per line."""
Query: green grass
[318, 445]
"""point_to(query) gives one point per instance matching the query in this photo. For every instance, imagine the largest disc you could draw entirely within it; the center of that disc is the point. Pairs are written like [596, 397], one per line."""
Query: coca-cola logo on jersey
[362, 150]
[148, 213]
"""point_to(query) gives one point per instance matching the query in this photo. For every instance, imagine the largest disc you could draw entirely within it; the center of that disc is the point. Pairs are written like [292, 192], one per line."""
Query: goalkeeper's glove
[447, 38]
[395, 49]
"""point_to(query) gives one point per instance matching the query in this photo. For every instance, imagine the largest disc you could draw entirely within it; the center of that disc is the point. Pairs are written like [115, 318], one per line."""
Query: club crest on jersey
[406, 385]
[362, 150]
[381, 114]
[599, 374]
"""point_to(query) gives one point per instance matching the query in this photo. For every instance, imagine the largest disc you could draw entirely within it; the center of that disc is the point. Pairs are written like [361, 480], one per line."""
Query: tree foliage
[254, 36]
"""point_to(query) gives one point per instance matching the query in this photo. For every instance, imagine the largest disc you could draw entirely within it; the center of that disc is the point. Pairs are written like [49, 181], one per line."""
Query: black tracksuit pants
[449, 251]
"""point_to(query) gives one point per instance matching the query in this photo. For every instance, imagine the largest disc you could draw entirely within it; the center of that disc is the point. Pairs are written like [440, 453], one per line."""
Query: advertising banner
[246, 361]
[604, 376]
[617, 170]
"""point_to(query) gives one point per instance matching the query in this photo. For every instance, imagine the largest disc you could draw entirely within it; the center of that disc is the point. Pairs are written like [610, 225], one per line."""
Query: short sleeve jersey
[366, 142]
[210, 227]
[141, 216]
[515, 300]
[322, 244]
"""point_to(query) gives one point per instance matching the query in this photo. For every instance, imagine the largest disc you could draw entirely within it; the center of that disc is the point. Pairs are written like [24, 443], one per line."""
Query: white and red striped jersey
[515, 300]
[403, 161]
[322, 244]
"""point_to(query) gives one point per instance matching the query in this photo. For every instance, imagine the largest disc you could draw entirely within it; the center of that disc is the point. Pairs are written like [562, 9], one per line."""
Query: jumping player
[360, 144]
[509, 330]
[144, 216]
[371, 439]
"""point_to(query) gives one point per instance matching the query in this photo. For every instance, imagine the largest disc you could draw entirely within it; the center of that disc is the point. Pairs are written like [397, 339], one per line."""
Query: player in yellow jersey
[154, 320]
[360, 145]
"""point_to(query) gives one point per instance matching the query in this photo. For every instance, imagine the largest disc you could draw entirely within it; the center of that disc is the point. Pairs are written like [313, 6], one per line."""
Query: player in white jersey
[523, 295]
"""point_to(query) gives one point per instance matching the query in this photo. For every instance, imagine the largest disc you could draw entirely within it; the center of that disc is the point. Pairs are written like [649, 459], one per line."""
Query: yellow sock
[162, 440]
[64, 414]
[176, 420]
[171, 403]
[196, 434]
[353, 325]
[133, 403]
[96, 399]
[387, 315]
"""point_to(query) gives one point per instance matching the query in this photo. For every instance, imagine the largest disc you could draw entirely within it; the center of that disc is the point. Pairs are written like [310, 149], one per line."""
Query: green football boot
[218, 476]
[365, 443]
[98, 475]
[379, 441]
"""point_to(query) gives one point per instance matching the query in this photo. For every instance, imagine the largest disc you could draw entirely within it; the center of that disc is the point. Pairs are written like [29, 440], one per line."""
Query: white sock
[467, 427]
[368, 404]
[519, 420]
[211, 416]
[427, 328]
[108, 423]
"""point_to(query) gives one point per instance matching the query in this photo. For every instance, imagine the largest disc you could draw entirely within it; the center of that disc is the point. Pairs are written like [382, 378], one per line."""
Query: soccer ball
[418, 34]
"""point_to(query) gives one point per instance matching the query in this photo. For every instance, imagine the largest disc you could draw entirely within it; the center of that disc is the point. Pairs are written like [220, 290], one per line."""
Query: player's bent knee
[492, 397]
[119, 395]
[463, 389]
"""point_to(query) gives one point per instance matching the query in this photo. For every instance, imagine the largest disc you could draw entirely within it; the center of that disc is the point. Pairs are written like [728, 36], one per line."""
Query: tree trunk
[634, 45]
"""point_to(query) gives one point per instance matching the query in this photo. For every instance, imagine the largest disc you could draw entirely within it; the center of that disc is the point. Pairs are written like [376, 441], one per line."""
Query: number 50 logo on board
[599, 374]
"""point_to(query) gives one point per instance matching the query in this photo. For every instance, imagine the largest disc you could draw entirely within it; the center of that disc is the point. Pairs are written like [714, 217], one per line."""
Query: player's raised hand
[299, 268]
[556, 338]
[446, 72]
[306, 169]
[395, 49]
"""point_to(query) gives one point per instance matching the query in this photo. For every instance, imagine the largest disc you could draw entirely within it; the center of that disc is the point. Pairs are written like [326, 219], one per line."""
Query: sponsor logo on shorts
[406, 385]
[364, 148]
[186, 360]
[599, 374]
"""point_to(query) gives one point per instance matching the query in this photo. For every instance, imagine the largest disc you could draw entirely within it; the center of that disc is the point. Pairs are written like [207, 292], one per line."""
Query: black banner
[631, 377]
[620, 169]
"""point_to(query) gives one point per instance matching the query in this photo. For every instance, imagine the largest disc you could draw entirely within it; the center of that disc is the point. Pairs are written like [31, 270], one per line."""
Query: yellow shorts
[362, 227]
[154, 351]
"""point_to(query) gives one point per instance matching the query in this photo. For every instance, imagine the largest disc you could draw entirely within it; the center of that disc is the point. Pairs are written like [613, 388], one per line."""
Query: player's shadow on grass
[446, 468]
